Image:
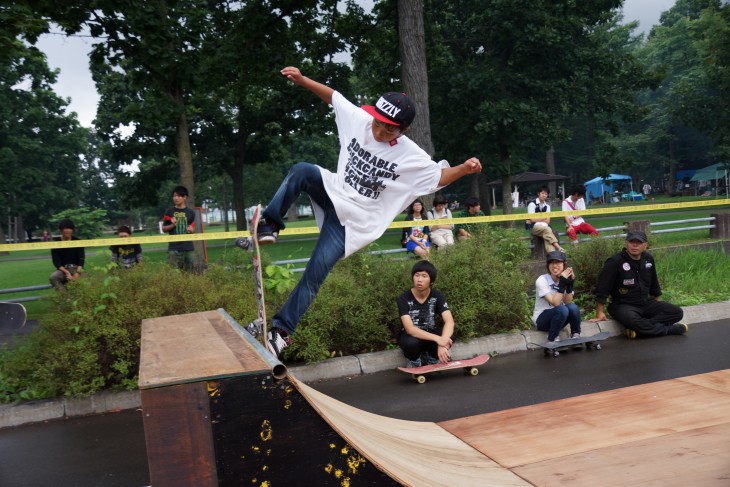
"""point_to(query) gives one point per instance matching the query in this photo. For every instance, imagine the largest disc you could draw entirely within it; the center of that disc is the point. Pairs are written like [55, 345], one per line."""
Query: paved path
[108, 450]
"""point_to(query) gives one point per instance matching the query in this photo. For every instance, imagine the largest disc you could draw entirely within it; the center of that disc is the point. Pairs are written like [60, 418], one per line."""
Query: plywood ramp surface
[700, 458]
[674, 432]
[411, 452]
[193, 347]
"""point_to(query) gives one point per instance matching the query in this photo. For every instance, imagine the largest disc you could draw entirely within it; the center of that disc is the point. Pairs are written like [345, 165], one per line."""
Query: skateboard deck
[12, 314]
[553, 348]
[255, 251]
[469, 366]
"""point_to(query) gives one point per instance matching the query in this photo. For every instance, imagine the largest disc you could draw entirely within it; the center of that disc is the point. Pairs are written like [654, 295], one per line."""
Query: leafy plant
[92, 340]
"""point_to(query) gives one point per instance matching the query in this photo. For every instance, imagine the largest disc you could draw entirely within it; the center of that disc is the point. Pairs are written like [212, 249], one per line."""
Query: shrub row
[91, 341]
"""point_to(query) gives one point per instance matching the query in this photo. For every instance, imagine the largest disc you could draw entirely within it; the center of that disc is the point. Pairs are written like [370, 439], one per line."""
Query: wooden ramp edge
[410, 452]
[199, 346]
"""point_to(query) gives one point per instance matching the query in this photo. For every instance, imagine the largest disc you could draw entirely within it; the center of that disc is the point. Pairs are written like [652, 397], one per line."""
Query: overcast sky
[70, 55]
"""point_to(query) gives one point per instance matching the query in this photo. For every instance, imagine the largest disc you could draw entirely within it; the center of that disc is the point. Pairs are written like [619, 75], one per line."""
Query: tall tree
[511, 71]
[248, 110]
[146, 70]
[40, 146]
[664, 136]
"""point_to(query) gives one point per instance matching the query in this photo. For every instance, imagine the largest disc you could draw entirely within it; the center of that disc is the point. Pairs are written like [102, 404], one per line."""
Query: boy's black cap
[636, 235]
[393, 108]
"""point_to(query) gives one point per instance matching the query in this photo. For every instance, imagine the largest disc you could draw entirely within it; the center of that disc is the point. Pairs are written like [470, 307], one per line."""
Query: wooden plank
[178, 435]
[567, 427]
[411, 452]
[698, 458]
[196, 346]
[719, 381]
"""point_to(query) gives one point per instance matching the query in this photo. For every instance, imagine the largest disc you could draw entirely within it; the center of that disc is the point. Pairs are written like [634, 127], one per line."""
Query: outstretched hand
[292, 74]
[472, 165]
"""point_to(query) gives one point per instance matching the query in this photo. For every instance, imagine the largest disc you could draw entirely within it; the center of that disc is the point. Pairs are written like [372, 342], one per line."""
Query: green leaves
[279, 278]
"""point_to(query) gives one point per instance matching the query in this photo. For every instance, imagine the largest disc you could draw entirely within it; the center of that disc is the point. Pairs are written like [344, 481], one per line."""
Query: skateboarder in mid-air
[422, 341]
[554, 306]
[379, 172]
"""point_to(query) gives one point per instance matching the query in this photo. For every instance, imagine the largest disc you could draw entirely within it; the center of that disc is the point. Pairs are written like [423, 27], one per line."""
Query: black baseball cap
[636, 235]
[556, 255]
[393, 108]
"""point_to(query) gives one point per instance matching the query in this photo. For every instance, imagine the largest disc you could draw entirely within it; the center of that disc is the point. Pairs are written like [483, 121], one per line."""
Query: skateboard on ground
[553, 348]
[12, 314]
[469, 366]
[253, 247]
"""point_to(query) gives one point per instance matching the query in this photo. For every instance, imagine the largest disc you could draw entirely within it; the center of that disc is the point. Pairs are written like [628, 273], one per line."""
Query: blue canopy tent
[717, 172]
[596, 187]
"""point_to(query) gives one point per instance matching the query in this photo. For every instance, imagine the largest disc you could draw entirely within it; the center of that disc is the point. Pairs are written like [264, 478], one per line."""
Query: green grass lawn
[33, 267]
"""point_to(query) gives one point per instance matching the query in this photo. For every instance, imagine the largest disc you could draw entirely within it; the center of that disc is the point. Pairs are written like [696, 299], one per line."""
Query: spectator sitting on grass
[473, 208]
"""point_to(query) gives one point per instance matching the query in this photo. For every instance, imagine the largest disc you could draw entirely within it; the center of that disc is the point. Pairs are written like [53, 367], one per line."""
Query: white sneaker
[575, 335]
[277, 341]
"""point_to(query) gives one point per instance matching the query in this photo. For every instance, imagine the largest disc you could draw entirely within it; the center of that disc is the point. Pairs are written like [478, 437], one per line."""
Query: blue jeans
[554, 319]
[330, 246]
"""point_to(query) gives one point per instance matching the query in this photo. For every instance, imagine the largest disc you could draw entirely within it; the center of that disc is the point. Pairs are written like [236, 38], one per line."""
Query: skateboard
[469, 366]
[553, 348]
[12, 314]
[253, 247]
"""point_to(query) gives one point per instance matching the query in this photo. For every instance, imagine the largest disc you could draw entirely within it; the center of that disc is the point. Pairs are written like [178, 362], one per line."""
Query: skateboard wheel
[598, 346]
[420, 379]
[556, 353]
[473, 371]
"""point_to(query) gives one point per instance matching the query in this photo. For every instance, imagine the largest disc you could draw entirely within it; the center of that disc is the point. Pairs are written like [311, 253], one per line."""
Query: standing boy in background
[180, 220]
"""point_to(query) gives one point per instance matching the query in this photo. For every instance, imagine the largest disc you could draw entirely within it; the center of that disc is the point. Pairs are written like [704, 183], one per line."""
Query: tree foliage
[40, 146]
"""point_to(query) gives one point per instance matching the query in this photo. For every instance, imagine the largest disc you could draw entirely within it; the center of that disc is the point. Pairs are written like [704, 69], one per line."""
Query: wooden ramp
[674, 432]
[214, 415]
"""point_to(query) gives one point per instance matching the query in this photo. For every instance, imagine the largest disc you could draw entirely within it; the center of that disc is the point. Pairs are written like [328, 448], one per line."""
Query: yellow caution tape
[106, 242]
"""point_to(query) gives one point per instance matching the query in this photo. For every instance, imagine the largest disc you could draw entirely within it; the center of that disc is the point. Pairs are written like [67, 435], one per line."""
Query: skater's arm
[451, 174]
[295, 76]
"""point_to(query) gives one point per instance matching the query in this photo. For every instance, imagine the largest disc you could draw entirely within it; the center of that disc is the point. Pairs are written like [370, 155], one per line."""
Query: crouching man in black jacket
[630, 278]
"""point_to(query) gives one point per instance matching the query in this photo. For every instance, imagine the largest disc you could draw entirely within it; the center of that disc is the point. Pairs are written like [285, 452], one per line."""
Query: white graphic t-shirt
[579, 205]
[375, 181]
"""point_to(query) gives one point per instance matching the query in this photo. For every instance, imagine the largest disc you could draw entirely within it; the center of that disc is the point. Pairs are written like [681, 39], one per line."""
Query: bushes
[355, 310]
[92, 340]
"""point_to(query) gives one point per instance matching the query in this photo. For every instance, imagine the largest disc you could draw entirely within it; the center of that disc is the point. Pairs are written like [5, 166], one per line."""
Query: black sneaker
[267, 233]
[679, 329]
[246, 243]
[254, 328]
[427, 359]
[278, 341]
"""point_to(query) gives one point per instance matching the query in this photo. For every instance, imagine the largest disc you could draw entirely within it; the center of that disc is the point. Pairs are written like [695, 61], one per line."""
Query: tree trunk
[550, 167]
[187, 178]
[504, 162]
[412, 49]
[414, 70]
[483, 193]
[237, 176]
[238, 203]
[672, 183]
[225, 205]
